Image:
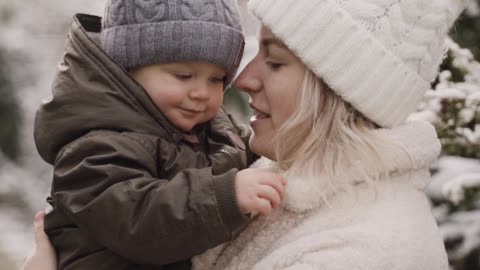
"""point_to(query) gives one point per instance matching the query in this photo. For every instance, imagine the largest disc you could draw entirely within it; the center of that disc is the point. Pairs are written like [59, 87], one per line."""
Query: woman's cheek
[261, 145]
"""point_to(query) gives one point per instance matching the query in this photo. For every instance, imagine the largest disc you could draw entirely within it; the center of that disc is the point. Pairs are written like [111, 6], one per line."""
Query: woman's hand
[43, 255]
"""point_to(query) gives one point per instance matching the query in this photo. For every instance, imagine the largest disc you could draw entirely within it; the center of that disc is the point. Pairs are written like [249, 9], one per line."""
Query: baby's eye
[183, 76]
[218, 79]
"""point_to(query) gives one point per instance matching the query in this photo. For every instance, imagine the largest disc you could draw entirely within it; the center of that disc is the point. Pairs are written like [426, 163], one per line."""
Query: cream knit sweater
[385, 226]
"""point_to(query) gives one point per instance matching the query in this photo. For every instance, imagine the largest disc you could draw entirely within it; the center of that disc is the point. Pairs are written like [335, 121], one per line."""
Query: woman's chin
[262, 147]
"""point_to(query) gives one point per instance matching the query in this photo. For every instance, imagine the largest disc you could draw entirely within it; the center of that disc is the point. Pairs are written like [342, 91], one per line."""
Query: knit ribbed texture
[227, 202]
[380, 56]
[139, 32]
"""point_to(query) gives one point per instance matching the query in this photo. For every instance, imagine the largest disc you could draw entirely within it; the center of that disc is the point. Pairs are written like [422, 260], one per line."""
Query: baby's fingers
[271, 194]
[275, 181]
[43, 256]
[38, 226]
[263, 206]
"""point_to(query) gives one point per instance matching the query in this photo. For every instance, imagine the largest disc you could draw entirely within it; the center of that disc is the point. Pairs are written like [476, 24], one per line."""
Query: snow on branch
[454, 190]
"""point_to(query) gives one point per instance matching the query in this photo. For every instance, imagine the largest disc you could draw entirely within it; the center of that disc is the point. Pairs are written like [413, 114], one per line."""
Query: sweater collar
[421, 148]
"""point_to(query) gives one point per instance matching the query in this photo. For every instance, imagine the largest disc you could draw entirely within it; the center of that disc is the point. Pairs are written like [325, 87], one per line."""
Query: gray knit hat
[143, 32]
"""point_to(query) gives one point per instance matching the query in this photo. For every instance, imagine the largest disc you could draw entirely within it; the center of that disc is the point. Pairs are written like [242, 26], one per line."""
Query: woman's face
[273, 80]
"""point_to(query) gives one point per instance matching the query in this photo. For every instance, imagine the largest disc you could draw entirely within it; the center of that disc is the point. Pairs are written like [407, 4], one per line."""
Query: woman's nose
[249, 79]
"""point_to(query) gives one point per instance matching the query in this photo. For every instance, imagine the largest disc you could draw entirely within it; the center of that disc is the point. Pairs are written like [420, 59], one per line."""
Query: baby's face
[188, 93]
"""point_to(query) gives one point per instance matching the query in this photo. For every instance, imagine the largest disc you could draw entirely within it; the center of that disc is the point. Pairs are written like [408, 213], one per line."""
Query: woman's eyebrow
[267, 42]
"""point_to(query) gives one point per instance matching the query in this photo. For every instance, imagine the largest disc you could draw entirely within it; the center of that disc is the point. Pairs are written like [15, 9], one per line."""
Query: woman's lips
[258, 117]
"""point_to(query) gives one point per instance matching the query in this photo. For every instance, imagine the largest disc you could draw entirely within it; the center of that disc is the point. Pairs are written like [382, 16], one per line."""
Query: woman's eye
[183, 76]
[274, 65]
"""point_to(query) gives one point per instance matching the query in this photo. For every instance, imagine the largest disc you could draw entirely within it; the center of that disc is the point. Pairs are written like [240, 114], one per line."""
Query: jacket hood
[417, 140]
[90, 91]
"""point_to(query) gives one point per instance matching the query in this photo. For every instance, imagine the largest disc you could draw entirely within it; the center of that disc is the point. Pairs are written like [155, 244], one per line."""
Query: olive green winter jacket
[130, 191]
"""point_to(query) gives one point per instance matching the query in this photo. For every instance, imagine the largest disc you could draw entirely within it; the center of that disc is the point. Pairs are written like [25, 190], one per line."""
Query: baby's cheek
[215, 105]
[209, 115]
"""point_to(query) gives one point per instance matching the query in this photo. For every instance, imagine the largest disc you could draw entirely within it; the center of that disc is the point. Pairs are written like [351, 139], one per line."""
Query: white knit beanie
[378, 55]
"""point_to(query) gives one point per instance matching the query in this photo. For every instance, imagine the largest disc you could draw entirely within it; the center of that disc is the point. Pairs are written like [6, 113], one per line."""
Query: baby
[148, 169]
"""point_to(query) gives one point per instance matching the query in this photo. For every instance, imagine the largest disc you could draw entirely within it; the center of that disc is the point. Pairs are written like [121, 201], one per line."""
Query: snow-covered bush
[454, 108]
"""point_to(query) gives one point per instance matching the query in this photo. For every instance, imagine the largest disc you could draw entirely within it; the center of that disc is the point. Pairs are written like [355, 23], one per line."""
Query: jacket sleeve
[112, 197]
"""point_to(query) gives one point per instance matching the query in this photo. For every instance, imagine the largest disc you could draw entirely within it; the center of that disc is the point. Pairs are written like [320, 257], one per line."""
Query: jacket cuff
[224, 188]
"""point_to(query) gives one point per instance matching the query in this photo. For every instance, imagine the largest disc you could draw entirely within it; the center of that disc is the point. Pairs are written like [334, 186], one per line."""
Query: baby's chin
[182, 126]
[187, 127]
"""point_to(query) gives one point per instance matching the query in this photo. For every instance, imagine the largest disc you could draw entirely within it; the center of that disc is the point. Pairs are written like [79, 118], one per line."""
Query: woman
[331, 88]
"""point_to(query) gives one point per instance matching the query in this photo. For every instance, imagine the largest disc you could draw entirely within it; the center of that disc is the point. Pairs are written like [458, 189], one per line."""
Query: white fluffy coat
[387, 225]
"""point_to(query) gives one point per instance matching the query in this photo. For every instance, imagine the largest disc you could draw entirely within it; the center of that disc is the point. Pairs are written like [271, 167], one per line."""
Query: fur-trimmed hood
[420, 146]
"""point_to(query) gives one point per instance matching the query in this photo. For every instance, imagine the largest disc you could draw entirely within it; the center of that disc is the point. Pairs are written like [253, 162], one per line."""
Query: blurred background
[31, 45]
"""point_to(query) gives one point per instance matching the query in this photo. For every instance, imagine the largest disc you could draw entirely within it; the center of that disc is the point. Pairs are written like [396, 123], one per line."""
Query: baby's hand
[258, 190]
[43, 255]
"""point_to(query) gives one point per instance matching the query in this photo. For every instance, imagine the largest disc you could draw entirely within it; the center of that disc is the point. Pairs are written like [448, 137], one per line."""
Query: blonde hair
[326, 135]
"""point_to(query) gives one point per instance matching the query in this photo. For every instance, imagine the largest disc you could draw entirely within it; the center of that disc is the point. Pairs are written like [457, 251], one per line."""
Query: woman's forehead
[265, 33]
[267, 38]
